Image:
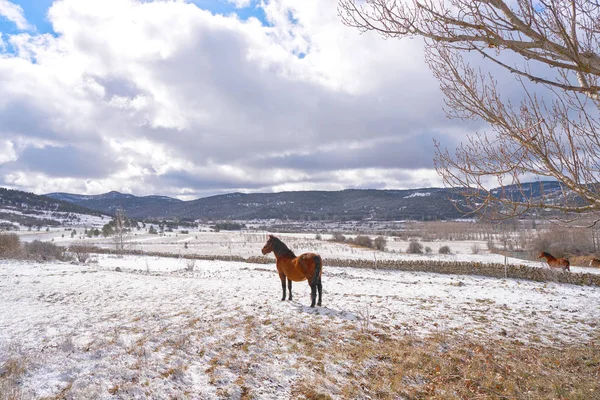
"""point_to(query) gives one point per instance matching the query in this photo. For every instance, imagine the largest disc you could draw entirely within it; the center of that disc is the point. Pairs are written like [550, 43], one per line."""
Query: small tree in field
[548, 130]
[120, 230]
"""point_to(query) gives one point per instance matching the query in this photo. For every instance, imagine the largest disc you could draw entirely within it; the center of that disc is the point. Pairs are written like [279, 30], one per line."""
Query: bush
[415, 247]
[10, 245]
[190, 265]
[363, 241]
[318, 236]
[475, 249]
[338, 237]
[81, 251]
[445, 250]
[379, 243]
[44, 251]
[428, 250]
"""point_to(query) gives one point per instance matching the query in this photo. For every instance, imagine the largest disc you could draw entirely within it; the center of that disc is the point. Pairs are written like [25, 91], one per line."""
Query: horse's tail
[567, 265]
[318, 267]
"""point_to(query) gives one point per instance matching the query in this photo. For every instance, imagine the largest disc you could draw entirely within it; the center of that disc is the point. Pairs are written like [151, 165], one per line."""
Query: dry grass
[449, 367]
[11, 371]
[346, 362]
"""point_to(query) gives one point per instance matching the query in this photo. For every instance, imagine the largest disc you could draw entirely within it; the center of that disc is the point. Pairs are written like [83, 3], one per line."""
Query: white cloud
[14, 13]
[7, 151]
[240, 3]
[181, 102]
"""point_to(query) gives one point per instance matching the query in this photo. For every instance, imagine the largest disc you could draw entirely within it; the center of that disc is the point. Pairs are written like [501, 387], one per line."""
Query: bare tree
[120, 230]
[551, 47]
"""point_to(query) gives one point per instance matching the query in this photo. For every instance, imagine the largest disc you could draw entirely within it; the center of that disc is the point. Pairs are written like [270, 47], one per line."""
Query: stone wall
[440, 267]
[461, 268]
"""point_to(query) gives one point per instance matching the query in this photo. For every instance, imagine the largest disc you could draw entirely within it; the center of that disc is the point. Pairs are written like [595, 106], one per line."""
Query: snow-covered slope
[157, 330]
[21, 210]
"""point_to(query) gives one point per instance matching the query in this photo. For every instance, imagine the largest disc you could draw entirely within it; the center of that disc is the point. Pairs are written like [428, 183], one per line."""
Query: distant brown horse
[306, 266]
[554, 262]
[595, 262]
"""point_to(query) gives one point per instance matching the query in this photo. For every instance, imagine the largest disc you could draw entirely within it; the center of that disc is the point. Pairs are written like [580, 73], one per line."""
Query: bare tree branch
[552, 48]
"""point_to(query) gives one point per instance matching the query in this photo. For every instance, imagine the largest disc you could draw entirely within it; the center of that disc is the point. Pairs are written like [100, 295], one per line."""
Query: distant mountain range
[345, 205]
[352, 204]
[134, 206]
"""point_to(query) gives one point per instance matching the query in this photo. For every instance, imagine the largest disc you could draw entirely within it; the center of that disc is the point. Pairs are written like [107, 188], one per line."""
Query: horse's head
[543, 254]
[268, 247]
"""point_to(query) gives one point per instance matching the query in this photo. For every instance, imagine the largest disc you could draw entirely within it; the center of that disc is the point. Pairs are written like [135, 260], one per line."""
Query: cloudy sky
[195, 98]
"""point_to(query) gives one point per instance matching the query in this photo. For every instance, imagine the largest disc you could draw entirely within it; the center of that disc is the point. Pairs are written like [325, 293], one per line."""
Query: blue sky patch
[224, 7]
[35, 12]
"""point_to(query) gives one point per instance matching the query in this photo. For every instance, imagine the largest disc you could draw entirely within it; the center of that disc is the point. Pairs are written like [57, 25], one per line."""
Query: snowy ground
[157, 330]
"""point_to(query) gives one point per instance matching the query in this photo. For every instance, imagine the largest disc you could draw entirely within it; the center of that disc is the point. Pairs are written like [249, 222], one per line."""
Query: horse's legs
[320, 289]
[282, 277]
[289, 289]
[313, 294]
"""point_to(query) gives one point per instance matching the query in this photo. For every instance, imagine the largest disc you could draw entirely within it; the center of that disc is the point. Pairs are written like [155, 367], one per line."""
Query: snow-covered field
[158, 330]
[248, 243]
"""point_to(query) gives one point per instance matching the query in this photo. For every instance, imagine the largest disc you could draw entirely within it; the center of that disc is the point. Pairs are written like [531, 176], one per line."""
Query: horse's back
[308, 262]
[309, 256]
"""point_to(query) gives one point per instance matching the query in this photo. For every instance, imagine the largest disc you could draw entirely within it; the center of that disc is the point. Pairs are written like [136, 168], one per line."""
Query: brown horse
[554, 262]
[595, 262]
[306, 266]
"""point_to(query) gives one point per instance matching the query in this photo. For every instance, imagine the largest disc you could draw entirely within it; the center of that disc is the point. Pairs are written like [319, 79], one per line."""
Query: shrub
[10, 245]
[81, 251]
[444, 250]
[44, 250]
[318, 236]
[475, 249]
[415, 247]
[338, 237]
[190, 265]
[363, 241]
[379, 243]
[428, 250]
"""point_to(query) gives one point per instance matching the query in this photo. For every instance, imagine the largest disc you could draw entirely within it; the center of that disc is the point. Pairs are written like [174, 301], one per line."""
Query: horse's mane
[281, 249]
[547, 255]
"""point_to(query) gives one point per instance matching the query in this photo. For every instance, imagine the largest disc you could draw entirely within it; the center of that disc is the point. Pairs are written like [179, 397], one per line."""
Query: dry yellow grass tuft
[11, 371]
[448, 367]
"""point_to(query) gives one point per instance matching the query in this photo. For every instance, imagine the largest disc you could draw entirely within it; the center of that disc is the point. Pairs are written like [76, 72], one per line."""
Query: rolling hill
[18, 208]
